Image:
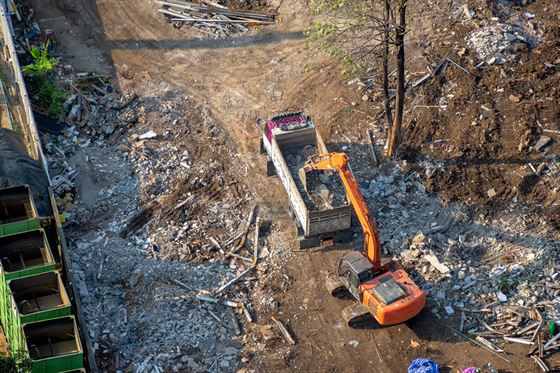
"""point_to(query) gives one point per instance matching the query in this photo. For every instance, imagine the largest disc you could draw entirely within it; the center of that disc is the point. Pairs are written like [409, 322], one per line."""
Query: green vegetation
[42, 64]
[51, 99]
[362, 34]
[348, 32]
[15, 363]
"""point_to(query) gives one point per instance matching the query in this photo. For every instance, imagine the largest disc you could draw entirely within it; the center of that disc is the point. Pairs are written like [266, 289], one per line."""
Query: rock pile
[475, 264]
[496, 39]
[150, 209]
[324, 188]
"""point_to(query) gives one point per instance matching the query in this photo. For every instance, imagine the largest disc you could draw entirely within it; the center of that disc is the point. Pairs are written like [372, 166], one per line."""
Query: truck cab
[286, 122]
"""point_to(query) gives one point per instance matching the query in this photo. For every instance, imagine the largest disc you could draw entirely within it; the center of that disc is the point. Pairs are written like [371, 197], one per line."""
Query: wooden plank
[204, 298]
[256, 243]
[228, 284]
[372, 146]
[284, 331]
[248, 225]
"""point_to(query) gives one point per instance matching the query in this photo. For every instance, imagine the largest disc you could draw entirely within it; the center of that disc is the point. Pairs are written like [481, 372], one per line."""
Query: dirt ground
[272, 69]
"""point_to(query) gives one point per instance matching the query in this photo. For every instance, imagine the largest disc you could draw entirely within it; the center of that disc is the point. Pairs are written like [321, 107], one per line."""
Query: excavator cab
[354, 269]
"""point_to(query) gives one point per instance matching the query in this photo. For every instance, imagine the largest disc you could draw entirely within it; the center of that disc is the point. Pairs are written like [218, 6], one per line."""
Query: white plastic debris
[501, 297]
[148, 135]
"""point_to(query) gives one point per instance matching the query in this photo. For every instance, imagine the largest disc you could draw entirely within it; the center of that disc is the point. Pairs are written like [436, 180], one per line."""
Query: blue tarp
[423, 365]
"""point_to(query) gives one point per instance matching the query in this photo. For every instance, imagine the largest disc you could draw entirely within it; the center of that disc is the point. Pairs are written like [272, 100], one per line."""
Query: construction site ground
[229, 82]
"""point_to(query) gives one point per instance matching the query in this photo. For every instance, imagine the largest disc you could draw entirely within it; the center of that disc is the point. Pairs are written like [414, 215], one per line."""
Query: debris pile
[463, 262]
[324, 189]
[496, 39]
[165, 247]
[214, 18]
[159, 230]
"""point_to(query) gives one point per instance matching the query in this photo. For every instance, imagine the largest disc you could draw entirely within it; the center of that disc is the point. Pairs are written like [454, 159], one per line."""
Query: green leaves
[18, 362]
[36, 53]
[51, 99]
[350, 31]
[320, 6]
[42, 65]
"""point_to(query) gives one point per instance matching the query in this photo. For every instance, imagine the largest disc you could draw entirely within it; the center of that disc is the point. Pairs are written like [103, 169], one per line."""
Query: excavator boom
[339, 162]
[384, 291]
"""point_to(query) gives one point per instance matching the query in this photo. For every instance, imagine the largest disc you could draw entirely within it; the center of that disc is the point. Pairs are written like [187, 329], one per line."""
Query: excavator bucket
[303, 176]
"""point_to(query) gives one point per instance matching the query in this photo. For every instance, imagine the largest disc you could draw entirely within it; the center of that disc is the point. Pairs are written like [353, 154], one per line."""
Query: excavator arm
[339, 162]
[390, 295]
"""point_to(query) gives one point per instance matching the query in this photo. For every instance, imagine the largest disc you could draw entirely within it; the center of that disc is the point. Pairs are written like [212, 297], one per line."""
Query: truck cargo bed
[322, 213]
[324, 191]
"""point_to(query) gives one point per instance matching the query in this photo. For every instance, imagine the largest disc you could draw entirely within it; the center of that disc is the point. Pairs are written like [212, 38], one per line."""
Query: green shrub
[42, 64]
[51, 99]
[15, 363]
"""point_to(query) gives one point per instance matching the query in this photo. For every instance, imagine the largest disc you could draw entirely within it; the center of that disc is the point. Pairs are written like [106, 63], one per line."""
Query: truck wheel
[305, 242]
[261, 146]
[343, 236]
[308, 242]
[270, 170]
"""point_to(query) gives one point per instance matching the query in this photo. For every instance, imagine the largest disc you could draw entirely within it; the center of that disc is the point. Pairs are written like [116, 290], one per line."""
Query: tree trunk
[385, 72]
[394, 136]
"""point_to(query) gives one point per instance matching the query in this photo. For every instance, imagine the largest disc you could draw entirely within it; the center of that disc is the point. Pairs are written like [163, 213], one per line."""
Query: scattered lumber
[212, 16]
[519, 340]
[228, 284]
[256, 244]
[372, 146]
[284, 331]
[540, 362]
[226, 302]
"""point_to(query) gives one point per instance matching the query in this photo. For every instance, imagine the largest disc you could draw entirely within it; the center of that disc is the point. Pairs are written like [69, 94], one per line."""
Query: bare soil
[272, 69]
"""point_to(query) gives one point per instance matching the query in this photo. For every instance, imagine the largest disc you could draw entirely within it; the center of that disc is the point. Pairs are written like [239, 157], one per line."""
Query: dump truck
[323, 213]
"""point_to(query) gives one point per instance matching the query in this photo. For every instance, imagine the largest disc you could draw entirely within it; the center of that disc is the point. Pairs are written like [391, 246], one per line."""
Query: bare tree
[393, 140]
[362, 33]
[385, 63]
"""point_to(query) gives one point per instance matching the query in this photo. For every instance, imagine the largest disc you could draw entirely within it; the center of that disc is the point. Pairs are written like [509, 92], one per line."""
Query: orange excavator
[384, 291]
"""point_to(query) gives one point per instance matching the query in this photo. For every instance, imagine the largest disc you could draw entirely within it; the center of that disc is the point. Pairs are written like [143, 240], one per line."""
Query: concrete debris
[165, 187]
[501, 297]
[495, 39]
[470, 264]
[437, 264]
[148, 135]
[542, 142]
[324, 188]
[354, 343]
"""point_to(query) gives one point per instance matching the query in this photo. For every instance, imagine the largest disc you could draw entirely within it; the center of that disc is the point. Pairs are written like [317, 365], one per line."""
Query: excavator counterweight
[383, 290]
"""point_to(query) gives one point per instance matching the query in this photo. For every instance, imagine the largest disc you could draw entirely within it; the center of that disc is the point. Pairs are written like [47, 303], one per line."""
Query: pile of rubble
[495, 39]
[165, 247]
[164, 244]
[481, 267]
[324, 188]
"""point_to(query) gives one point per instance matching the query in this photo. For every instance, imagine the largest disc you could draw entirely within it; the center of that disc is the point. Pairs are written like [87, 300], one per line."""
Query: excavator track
[357, 316]
[337, 288]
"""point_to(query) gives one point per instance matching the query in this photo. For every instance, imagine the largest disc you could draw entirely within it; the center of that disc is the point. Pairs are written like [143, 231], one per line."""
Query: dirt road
[237, 79]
